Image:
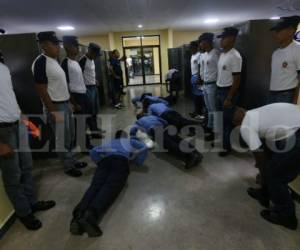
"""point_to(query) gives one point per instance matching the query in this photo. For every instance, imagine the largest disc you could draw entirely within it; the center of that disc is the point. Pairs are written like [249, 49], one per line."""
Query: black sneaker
[210, 137]
[75, 227]
[80, 165]
[289, 222]
[31, 222]
[225, 153]
[195, 159]
[258, 195]
[73, 172]
[42, 206]
[97, 136]
[89, 224]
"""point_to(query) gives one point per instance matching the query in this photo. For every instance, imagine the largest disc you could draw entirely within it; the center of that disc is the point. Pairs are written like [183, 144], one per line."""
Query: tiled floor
[163, 207]
[138, 80]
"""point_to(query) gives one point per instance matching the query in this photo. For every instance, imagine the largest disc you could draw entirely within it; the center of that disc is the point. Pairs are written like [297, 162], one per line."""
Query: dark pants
[116, 90]
[93, 105]
[222, 94]
[199, 104]
[281, 96]
[16, 169]
[177, 120]
[279, 171]
[108, 181]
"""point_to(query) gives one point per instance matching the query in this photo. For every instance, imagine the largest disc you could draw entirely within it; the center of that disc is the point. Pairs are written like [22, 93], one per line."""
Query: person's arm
[296, 97]
[134, 129]
[140, 153]
[5, 150]
[82, 63]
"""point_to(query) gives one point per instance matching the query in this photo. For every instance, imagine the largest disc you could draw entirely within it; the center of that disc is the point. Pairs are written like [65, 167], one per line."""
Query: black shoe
[80, 165]
[89, 224]
[225, 153]
[289, 222]
[42, 206]
[192, 115]
[31, 222]
[97, 136]
[75, 227]
[195, 159]
[73, 172]
[210, 137]
[258, 195]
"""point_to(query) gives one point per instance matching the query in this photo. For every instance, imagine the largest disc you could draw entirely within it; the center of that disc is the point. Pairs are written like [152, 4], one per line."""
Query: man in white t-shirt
[285, 76]
[228, 83]
[15, 157]
[52, 87]
[272, 134]
[209, 69]
[195, 81]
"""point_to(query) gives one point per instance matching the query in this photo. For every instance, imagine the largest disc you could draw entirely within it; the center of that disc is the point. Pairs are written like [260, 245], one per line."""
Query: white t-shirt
[229, 64]
[74, 76]
[9, 108]
[89, 71]
[47, 70]
[285, 68]
[129, 62]
[195, 62]
[209, 65]
[272, 122]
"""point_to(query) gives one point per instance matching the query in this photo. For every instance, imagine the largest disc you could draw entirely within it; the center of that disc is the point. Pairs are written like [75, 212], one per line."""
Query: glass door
[151, 63]
[134, 66]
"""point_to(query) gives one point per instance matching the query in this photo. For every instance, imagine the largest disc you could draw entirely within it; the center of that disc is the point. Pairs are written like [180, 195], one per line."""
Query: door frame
[142, 50]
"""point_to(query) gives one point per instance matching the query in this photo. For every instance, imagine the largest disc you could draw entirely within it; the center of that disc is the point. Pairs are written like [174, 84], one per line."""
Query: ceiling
[102, 16]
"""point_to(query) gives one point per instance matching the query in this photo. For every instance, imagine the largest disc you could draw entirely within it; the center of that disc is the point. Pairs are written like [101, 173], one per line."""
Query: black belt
[229, 87]
[61, 102]
[282, 91]
[209, 83]
[8, 124]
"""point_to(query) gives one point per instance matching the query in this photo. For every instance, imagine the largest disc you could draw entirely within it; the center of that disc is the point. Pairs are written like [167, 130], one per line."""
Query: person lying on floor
[138, 100]
[158, 130]
[170, 115]
[113, 159]
[272, 133]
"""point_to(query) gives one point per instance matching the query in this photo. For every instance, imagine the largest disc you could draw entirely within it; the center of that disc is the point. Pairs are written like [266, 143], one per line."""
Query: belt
[224, 87]
[61, 102]
[8, 124]
[282, 91]
[209, 83]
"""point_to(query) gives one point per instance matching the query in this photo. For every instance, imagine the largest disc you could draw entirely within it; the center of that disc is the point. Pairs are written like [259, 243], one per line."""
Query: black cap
[209, 37]
[2, 31]
[95, 48]
[48, 36]
[194, 44]
[286, 22]
[70, 40]
[229, 31]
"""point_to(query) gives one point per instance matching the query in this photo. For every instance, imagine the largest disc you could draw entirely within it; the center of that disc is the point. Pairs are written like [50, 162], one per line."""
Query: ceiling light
[66, 28]
[212, 20]
[275, 18]
[140, 26]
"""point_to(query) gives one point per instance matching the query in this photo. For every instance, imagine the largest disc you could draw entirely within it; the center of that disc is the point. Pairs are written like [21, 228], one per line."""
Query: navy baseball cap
[229, 31]
[194, 44]
[95, 47]
[71, 40]
[207, 37]
[286, 22]
[48, 36]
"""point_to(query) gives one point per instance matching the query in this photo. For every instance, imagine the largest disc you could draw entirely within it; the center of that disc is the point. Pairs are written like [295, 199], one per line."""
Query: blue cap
[70, 40]
[48, 36]
[95, 48]
[229, 31]
[286, 22]
[207, 37]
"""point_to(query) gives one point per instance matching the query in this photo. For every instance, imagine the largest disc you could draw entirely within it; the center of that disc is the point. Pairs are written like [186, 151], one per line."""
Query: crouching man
[113, 160]
[272, 133]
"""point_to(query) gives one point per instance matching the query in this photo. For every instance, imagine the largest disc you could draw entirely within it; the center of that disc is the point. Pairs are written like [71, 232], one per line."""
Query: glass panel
[134, 66]
[132, 41]
[150, 40]
[152, 65]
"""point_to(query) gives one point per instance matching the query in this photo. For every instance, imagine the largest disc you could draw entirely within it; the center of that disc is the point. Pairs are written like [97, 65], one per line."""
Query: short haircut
[121, 134]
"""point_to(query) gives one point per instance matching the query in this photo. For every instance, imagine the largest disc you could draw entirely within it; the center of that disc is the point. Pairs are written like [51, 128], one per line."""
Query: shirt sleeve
[141, 152]
[82, 63]
[39, 71]
[134, 129]
[65, 67]
[236, 65]
[95, 156]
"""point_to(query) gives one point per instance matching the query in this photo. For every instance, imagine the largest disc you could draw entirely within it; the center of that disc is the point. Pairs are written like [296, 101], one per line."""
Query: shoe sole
[89, 229]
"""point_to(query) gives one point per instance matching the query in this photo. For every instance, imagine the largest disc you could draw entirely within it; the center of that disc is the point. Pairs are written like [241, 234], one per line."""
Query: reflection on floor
[162, 208]
[150, 79]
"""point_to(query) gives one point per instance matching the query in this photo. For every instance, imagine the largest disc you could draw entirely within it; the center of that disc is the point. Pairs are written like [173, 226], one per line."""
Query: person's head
[238, 116]
[144, 95]
[146, 103]
[121, 134]
[116, 54]
[206, 41]
[49, 43]
[94, 51]
[285, 29]
[194, 46]
[228, 38]
[71, 45]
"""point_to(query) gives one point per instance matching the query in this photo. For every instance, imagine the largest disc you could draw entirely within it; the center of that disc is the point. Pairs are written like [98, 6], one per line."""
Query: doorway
[143, 60]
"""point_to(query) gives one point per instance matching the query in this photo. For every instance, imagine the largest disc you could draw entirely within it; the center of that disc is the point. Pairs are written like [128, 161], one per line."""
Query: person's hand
[5, 150]
[77, 108]
[58, 117]
[228, 103]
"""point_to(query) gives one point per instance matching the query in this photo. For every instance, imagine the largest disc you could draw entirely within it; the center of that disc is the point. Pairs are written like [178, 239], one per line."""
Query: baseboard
[7, 224]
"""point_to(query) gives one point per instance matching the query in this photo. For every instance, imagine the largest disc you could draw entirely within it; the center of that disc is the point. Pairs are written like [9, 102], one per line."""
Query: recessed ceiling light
[211, 20]
[275, 18]
[140, 26]
[66, 27]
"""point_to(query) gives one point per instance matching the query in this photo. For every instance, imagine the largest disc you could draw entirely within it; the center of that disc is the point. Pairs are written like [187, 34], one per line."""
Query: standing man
[87, 64]
[15, 157]
[51, 85]
[228, 83]
[285, 77]
[272, 133]
[209, 67]
[195, 81]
